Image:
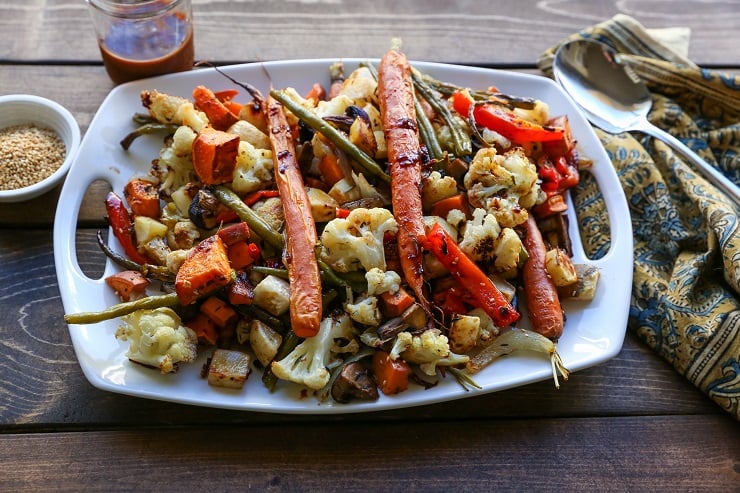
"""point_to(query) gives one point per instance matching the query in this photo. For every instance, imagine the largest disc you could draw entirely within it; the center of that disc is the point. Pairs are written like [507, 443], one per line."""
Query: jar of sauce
[143, 38]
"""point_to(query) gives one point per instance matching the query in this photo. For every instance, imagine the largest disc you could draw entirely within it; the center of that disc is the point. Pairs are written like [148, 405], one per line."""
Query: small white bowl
[21, 109]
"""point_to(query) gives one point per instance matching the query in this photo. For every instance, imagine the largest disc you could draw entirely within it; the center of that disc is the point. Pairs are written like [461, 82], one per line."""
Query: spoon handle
[711, 174]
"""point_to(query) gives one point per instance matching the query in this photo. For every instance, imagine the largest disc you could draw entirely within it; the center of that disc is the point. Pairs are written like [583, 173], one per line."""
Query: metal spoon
[614, 98]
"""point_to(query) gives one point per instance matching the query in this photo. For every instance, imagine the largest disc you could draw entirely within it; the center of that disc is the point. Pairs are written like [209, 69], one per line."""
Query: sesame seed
[28, 154]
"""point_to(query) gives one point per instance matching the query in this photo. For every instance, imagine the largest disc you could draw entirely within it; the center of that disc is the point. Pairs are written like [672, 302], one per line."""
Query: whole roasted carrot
[543, 303]
[299, 254]
[396, 96]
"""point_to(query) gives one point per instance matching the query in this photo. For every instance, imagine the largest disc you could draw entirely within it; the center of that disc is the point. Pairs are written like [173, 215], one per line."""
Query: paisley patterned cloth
[685, 297]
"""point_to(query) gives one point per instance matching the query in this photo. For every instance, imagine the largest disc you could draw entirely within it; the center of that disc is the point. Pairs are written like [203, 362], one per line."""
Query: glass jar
[143, 38]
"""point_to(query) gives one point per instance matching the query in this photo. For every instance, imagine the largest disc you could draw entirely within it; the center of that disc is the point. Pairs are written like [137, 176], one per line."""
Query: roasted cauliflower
[357, 241]
[428, 350]
[505, 185]
[308, 363]
[484, 240]
[158, 339]
[254, 169]
[379, 282]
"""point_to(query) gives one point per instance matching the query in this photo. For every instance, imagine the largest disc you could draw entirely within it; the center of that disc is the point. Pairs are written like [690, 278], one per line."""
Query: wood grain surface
[487, 32]
[630, 424]
[435, 456]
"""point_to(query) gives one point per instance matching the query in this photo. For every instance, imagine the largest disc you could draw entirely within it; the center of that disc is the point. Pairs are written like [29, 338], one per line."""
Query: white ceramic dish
[21, 109]
[594, 332]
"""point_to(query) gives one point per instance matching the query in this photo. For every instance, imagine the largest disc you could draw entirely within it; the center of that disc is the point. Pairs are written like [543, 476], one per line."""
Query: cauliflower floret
[254, 169]
[166, 108]
[484, 240]
[307, 363]
[357, 240]
[456, 218]
[158, 339]
[360, 87]
[335, 106]
[505, 185]
[379, 281]
[162, 107]
[174, 168]
[364, 311]
[436, 187]
[507, 250]
[479, 236]
[429, 350]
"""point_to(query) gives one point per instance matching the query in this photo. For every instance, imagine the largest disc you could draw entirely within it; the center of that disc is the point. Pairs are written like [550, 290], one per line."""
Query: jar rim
[135, 9]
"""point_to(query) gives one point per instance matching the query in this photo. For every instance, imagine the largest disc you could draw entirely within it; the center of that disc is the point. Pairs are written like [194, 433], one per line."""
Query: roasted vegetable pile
[364, 237]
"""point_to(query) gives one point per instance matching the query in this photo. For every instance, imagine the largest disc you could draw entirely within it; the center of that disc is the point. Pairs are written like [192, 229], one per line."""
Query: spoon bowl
[614, 98]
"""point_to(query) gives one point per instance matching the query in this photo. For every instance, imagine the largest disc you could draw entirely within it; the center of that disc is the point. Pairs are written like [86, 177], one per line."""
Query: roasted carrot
[396, 96]
[143, 198]
[542, 299]
[443, 207]
[217, 112]
[123, 228]
[299, 254]
[394, 304]
[240, 255]
[227, 98]
[471, 277]
[330, 169]
[206, 268]
[127, 284]
[204, 328]
[316, 93]
[219, 311]
[214, 156]
[392, 376]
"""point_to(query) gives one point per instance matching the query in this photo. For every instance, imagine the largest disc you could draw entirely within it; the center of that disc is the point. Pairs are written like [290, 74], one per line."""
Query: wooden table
[630, 424]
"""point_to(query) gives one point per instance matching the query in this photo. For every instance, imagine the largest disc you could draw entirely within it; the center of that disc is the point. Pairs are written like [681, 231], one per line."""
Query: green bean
[290, 341]
[460, 139]
[327, 275]
[147, 303]
[143, 118]
[155, 271]
[147, 128]
[426, 131]
[246, 214]
[367, 163]
[253, 311]
[492, 96]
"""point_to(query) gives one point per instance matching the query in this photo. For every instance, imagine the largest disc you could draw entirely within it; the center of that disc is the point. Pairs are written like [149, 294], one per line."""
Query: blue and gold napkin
[686, 292]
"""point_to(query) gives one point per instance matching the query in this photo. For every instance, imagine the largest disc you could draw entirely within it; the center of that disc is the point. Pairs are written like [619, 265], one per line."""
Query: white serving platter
[594, 331]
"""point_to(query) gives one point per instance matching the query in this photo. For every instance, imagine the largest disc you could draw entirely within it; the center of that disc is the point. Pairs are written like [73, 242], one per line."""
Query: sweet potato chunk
[143, 197]
[206, 269]
[214, 156]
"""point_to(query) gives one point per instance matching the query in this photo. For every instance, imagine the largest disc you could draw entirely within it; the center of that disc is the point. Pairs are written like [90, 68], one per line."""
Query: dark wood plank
[509, 31]
[43, 385]
[681, 453]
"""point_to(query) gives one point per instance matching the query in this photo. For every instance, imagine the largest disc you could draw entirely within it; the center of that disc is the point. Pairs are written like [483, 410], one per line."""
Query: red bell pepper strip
[469, 275]
[255, 197]
[123, 229]
[506, 122]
